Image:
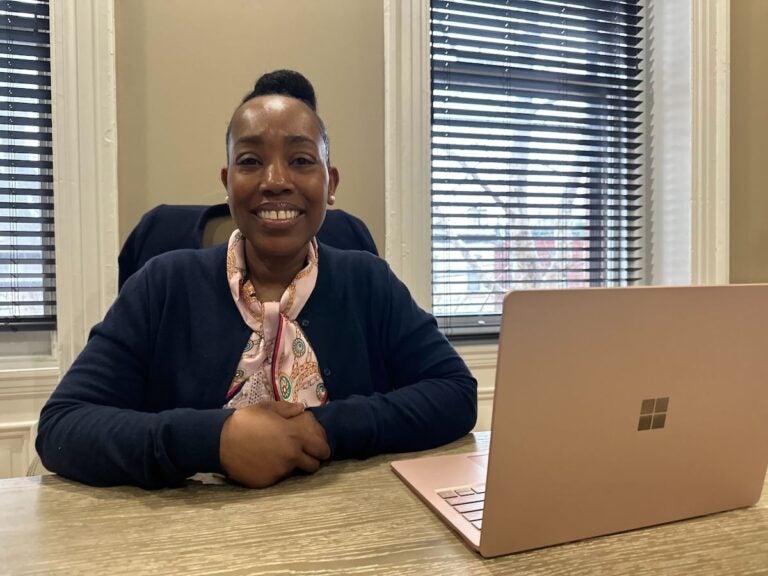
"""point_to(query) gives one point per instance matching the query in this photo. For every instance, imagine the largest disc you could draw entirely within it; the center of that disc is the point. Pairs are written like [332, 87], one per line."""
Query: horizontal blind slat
[37, 51]
[13, 62]
[31, 93]
[36, 9]
[12, 36]
[29, 80]
[13, 162]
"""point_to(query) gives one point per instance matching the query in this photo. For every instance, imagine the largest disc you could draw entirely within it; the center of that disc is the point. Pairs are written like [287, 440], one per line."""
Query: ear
[228, 199]
[333, 182]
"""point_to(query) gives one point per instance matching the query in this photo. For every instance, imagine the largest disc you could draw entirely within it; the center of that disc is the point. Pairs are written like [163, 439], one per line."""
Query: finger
[312, 436]
[307, 463]
[316, 446]
[285, 409]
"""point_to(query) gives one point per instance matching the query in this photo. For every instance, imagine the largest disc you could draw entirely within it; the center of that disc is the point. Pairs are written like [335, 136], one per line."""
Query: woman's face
[277, 179]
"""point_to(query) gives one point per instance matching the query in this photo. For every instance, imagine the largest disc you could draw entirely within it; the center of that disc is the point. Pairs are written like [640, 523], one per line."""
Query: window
[27, 272]
[536, 151]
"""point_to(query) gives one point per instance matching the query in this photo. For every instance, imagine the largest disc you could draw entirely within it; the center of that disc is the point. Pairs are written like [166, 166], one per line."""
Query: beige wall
[749, 135]
[183, 66]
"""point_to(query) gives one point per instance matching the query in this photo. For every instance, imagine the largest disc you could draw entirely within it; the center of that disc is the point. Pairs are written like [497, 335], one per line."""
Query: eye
[248, 160]
[304, 161]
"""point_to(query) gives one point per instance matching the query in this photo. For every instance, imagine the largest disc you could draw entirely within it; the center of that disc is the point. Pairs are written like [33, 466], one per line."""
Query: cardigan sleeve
[433, 396]
[95, 427]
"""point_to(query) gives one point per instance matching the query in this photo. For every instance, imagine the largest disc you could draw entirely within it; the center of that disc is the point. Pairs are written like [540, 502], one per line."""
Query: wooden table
[351, 517]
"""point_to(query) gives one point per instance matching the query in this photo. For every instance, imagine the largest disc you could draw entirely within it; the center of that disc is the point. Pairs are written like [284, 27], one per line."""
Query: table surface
[351, 517]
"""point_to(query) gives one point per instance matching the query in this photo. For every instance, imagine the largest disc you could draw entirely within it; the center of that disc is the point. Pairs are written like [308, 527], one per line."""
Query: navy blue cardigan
[142, 404]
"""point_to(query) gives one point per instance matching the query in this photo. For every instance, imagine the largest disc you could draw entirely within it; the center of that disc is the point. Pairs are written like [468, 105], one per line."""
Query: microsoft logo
[653, 413]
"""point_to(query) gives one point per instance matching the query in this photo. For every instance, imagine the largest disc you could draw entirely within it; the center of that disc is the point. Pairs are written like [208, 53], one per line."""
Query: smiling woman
[264, 356]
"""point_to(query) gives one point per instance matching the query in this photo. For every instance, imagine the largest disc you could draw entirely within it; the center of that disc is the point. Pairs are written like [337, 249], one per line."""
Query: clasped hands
[262, 444]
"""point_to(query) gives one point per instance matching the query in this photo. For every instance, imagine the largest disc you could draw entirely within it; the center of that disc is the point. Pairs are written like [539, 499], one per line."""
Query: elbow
[45, 443]
[464, 413]
[470, 411]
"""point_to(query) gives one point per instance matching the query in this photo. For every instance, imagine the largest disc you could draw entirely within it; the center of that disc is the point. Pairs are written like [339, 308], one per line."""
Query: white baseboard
[27, 383]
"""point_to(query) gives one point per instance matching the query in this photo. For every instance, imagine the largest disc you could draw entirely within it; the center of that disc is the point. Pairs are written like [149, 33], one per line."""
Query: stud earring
[332, 199]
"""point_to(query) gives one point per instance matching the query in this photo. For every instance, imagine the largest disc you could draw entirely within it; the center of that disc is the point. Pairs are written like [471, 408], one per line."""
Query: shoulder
[349, 277]
[350, 263]
[343, 230]
[166, 227]
[186, 265]
[190, 257]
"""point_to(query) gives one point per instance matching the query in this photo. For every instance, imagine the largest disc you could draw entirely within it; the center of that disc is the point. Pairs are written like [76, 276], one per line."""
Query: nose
[276, 178]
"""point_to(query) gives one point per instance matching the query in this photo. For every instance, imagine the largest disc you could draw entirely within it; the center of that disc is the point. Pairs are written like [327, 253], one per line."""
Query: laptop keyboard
[467, 501]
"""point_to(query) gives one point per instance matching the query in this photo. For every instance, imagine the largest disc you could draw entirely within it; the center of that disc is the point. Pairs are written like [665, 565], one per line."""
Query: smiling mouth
[278, 215]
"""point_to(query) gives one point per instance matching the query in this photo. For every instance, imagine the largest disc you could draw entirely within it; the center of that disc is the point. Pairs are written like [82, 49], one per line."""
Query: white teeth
[279, 214]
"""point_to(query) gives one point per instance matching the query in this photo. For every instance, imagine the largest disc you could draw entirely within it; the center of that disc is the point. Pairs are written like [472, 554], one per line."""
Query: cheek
[238, 199]
[321, 187]
[238, 189]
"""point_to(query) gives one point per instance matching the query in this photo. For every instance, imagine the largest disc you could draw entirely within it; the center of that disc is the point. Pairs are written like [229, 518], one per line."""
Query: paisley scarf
[278, 363]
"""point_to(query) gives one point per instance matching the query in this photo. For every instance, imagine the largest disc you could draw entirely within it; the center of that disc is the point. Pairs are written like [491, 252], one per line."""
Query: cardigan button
[305, 323]
[326, 371]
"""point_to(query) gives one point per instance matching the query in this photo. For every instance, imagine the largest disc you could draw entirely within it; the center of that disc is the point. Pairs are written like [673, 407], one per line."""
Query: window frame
[407, 151]
[85, 189]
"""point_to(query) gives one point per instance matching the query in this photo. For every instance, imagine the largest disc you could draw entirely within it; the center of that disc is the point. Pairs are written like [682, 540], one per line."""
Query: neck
[270, 276]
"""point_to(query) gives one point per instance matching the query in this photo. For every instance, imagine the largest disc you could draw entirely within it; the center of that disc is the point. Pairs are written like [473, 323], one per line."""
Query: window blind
[536, 151]
[27, 272]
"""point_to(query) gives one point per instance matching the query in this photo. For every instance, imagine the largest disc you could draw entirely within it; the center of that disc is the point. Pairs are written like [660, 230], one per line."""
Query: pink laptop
[615, 409]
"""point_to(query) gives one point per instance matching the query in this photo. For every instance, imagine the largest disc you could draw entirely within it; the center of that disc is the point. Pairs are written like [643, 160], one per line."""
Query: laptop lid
[614, 409]
[621, 408]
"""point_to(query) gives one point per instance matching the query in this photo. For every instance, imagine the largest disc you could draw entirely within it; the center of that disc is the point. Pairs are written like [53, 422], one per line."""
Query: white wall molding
[16, 451]
[27, 383]
[406, 145]
[17, 429]
[85, 167]
[485, 394]
[479, 356]
[711, 63]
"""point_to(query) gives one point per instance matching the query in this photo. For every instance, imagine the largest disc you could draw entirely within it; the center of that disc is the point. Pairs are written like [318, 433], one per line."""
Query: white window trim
[711, 158]
[406, 145]
[407, 245]
[85, 168]
[85, 184]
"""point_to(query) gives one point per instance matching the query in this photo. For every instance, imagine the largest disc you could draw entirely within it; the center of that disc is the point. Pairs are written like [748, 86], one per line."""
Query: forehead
[275, 115]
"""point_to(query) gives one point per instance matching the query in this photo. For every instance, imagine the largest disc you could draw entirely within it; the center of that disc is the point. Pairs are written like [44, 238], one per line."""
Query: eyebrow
[291, 139]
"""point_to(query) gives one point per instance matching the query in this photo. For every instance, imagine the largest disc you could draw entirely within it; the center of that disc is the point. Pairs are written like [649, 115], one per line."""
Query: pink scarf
[278, 363]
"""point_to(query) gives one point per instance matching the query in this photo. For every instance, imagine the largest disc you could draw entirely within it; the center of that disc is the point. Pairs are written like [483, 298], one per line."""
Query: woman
[267, 355]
